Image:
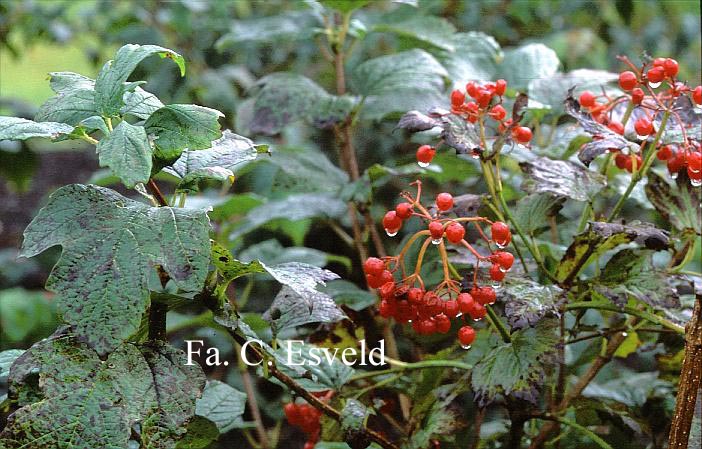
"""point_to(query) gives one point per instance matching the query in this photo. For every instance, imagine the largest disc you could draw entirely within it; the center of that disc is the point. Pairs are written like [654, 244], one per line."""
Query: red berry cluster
[408, 299]
[480, 101]
[639, 85]
[307, 418]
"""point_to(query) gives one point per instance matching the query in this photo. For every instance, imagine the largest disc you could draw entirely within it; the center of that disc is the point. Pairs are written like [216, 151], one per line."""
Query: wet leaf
[533, 211]
[561, 178]
[288, 26]
[414, 121]
[15, 128]
[347, 294]
[677, 201]
[312, 367]
[428, 29]
[231, 268]
[222, 404]
[527, 63]
[127, 151]
[527, 302]
[475, 58]
[290, 309]
[552, 90]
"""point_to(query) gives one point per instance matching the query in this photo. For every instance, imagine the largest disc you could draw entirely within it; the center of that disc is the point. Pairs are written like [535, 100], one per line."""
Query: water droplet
[500, 245]
[654, 85]
[607, 151]
[640, 137]
[625, 150]
[477, 319]
[693, 170]
[436, 241]
[674, 175]
[624, 334]
[409, 321]
[391, 233]
[696, 182]
[466, 347]
[423, 164]
[504, 270]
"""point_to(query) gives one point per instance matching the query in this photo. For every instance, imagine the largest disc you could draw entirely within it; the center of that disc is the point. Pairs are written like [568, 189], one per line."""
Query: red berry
[436, 230]
[425, 154]
[444, 201]
[391, 222]
[465, 302]
[694, 161]
[697, 95]
[695, 176]
[451, 308]
[309, 445]
[386, 309]
[477, 311]
[484, 295]
[373, 266]
[637, 95]
[655, 75]
[664, 153]
[521, 134]
[443, 323]
[496, 273]
[403, 210]
[643, 127]
[292, 413]
[627, 80]
[620, 160]
[677, 162]
[670, 67]
[630, 163]
[378, 281]
[501, 234]
[617, 127]
[498, 112]
[457, 98]
[427, 327]
[503, 259]
[466, 335]
[500, 87]
[415, 295]
[484, 97]
[387, 290]
[455, 232]
[587, 99]
[472, 89]
[658, 62]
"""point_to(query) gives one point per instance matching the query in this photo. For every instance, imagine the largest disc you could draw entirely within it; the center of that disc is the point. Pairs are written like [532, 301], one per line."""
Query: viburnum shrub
[408, 299]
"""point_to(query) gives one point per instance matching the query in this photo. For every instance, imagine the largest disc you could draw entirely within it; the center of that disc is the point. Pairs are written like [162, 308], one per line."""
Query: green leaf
[285, 27]
[284, 98]
[400, 82]
[601, 237]
[533, 211]
[631, 389]
[300, 277]
[304, 170]
[110, 84]
[227, 153]
[440, 422]
[527, 302]
[353, 417]
[527, 63]
[294, 207]
[629, 346]
[229, 267]
[222, 404]
[290, 309]
[517, 368]
[678, 202]
[460, 134]
[109, 245]
[127, 151]
[344, 6]
[140, 104]
[554, 89]
[475, 58]
[89, 403]
[561, 178]
[70, 106]
[25, 314]
[65, 82]
[271, 252]
[180, 126]
[200, 434]
[15, 128]
[631, 272]
[348, 294]
[321, 371]
[428, 29]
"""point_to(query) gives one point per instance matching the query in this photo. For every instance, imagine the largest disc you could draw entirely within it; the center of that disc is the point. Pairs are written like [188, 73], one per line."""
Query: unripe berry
[425, 154]
[391, 222]
[501, 234]
[443, 323]
[455, 232]
[521, 134]
[465, 302]
[498, 112]
[664, 153]
[617, 127]
[496, 274]
[466, 335]
[655, 75]
[670, 67]
[697, 95]
[436, 230]
[457, 98]
[637, 95]
[444, 201]
[587, 99]
[627, 80]
[373, 266]
[643, 127]
[500, 87]
[403, 210]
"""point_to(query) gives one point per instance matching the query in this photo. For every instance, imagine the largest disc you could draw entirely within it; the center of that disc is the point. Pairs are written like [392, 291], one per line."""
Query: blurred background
[228, 45]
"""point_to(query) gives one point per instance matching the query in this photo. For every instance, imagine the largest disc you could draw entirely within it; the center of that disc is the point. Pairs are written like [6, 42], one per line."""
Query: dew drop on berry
[641, 137]
[500, 245]
[694, 182]
[504, 270]
[436, 241]
[391, 233]
[689, 167]
[466, 347]
[423, 164]
[654, 85]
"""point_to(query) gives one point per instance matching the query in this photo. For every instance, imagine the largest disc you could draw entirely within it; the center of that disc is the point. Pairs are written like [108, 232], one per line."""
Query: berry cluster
[307, 418]
[408, 300]
[478, 102]
[647, 103]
